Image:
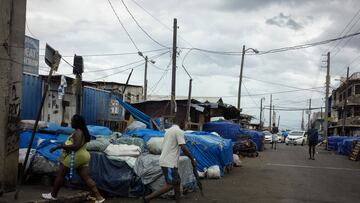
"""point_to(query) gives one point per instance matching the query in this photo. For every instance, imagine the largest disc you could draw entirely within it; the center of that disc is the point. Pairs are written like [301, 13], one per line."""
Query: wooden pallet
[355, 152]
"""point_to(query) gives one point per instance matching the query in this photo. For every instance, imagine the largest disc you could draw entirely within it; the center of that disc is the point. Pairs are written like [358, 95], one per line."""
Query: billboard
[31, 55]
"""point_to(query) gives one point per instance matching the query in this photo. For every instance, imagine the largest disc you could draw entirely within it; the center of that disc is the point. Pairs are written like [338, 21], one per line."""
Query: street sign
[31, 55]
[52, 57]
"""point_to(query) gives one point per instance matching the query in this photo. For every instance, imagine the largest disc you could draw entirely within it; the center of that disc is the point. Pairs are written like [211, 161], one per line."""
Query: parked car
[296, 137]
[281, 138]
[268, 136]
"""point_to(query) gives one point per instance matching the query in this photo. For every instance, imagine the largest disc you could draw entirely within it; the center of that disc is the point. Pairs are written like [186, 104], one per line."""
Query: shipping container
[32, 86]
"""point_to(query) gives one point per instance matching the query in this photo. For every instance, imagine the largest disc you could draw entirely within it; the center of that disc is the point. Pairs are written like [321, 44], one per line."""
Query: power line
[152, 89]
[113, 54]
[122, 25]
[344, 30]
[141, 28]
[106, 76]
[132, 63]
[246, 89]
[277, 50]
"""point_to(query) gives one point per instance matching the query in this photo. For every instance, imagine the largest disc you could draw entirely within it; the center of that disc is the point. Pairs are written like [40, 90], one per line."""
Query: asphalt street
[283, 175]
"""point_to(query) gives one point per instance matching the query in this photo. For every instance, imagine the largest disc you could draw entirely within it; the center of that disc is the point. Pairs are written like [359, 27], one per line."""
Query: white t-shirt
[174, 137]
[274, 137]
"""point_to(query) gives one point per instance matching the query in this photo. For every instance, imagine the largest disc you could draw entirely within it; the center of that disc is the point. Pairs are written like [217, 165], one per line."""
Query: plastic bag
[154, 145]
[136, 125]
[237, 161]
[213, 172]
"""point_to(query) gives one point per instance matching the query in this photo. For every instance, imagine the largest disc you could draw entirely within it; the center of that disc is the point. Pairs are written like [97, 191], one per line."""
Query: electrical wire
[152, 89]
[246, 89]
[141, 28]
[113, 54]
[106, 76]
[122, 25]
[129, 64]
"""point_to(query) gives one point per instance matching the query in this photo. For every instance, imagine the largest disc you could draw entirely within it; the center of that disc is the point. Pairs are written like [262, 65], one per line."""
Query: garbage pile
[124, 164]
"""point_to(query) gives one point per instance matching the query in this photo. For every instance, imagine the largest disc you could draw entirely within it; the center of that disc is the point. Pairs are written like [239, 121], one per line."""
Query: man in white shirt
[174, 140]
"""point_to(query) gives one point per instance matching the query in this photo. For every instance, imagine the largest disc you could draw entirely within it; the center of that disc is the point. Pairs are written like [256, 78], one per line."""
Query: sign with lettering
[31, 55]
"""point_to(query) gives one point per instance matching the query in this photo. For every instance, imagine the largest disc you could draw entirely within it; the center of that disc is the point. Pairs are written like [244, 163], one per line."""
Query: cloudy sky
[90, 27]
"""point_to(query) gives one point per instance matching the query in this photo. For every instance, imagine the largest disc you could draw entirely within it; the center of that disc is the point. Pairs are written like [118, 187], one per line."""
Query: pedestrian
[274, 137]
[74, 156]
[174, 140]
[313, 137]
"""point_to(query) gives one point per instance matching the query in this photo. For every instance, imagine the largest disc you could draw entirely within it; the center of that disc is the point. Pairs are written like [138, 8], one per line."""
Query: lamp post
[145, 73]
[241, 71]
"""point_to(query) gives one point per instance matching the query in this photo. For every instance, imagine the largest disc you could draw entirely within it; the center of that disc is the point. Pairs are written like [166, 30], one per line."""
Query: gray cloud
[284, 21]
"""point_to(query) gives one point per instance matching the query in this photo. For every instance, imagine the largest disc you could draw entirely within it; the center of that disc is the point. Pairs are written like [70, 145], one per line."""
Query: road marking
[313, 167]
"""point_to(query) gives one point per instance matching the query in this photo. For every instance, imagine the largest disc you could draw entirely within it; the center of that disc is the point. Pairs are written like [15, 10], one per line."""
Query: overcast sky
[91, 27]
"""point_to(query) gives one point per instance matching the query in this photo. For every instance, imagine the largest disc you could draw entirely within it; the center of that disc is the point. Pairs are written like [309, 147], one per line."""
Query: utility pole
[309, 115]
[261, 112]
[274, 115]
[188, 118]
[270, 112]
[302, 121]
[345, 102]
[78, 69]
[145, 78]
[278, 124]
[326, 99]
[321, 116]
[241, 76]
[12, 36]
[173, 79]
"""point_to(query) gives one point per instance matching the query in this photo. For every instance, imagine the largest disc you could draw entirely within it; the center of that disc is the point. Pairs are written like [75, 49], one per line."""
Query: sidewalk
[32, 194]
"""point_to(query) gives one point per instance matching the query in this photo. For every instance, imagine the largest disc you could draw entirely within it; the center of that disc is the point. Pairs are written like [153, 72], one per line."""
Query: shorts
[312, 143]
[171, 175]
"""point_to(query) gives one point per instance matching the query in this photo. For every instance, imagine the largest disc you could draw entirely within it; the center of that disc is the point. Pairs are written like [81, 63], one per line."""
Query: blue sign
[31, 55]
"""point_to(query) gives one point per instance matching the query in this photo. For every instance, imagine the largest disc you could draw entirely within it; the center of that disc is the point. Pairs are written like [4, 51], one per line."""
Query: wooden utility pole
[309, 115]
[278, 123]
[321, 116]
[261, 112]
[270, 112]
[241, 76]
[173, 79]
[274, 115]
[145, 78]
[345, 102]
[188, 118]
[326, 124]
[302, 121]
[12, 36]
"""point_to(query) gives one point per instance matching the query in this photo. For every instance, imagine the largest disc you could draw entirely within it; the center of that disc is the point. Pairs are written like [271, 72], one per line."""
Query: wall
[100, 106]
[31, 96]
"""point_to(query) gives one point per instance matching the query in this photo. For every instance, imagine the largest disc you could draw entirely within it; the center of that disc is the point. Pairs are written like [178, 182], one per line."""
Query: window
[137, 98]
[114, 107]
[349, 92]
[340, 97]
[357, 89]
[356, 110]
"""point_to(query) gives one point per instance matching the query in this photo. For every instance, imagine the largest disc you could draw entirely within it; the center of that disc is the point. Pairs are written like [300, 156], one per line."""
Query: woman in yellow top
[74, 146]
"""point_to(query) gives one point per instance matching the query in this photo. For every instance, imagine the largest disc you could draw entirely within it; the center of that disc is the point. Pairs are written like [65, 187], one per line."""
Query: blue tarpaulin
[333, 142]
[226, 130]
[114, 178]
[209, 150]
[345, 147]
[232, 131]
[137, 114]
[25, 137]
[145, 134]
[95, 130]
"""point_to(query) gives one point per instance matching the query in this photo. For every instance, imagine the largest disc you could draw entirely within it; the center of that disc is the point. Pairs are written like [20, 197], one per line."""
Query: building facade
[132, 94]
[346, 107]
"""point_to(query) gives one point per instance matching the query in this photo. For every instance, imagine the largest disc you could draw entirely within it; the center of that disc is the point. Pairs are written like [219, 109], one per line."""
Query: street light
[145, 73]
[241, 71]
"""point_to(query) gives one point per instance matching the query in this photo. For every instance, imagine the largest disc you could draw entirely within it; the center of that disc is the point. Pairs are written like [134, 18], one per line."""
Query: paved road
[284, 175]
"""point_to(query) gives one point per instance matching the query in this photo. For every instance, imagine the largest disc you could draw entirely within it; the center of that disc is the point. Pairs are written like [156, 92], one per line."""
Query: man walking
[169, 161]
[312, 140]
[274, 138]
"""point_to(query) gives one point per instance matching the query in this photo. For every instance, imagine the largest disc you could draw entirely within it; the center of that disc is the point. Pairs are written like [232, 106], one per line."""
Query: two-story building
[346, 107]
[132, 94]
